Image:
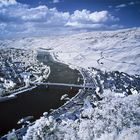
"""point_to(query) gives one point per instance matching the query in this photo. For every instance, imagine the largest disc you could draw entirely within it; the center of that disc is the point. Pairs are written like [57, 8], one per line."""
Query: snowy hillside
[113, 117]
[114, 50]
[106, 50]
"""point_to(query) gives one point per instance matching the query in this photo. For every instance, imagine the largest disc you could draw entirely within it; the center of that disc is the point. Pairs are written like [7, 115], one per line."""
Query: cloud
[124, 5]
[7, 2]
[131, 3]
[56, 1]
[81, 25]
[121, 6]
[89, 19]
[18, 19]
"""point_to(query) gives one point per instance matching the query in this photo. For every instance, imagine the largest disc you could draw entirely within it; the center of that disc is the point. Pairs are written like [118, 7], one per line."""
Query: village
[19, 68]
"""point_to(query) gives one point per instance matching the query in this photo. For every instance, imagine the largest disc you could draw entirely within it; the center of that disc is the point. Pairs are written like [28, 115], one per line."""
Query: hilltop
[106, 50]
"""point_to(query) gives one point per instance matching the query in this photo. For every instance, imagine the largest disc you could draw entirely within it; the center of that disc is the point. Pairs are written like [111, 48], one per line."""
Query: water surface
[39, 100]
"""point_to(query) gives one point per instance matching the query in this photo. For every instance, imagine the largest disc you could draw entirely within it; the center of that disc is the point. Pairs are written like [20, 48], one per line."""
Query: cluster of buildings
[19, 68]
[118, 82]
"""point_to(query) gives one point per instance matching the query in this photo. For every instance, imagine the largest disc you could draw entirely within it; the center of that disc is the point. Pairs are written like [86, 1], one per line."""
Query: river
[39, 100]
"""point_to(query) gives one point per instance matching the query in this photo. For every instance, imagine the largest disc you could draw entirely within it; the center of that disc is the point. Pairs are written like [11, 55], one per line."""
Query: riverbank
[39, 100]
[108, 106]
[19, 68]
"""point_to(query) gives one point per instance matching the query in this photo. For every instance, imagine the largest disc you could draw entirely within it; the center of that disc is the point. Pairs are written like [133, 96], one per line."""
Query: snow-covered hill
[112, 50]
[115, 117]
[106, 50]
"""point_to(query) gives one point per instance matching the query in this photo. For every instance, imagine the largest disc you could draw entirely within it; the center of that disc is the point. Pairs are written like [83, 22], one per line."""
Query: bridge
[91, 87]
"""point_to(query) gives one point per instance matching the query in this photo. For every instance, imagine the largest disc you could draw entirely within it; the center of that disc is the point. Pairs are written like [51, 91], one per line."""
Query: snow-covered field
[106, 50]
[115, 117]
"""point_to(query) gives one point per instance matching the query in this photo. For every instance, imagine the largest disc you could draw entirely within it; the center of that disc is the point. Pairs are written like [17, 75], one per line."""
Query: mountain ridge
[106, 50]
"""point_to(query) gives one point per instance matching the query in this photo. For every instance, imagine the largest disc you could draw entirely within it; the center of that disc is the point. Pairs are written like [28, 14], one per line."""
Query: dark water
[39, 100]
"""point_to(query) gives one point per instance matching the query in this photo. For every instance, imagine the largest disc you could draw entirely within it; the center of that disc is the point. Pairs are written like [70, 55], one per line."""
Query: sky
[22, 18]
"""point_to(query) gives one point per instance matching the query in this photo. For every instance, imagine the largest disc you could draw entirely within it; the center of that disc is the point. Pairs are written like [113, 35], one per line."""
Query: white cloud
[35, 14]
[85, 18]
[81, 25]
[20, 19]
[7, 2]
[121, 6]
[55, 1]
[94, 17]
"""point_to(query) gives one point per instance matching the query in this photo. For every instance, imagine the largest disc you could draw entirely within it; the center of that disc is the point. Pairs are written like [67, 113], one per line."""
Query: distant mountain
[106, 50]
